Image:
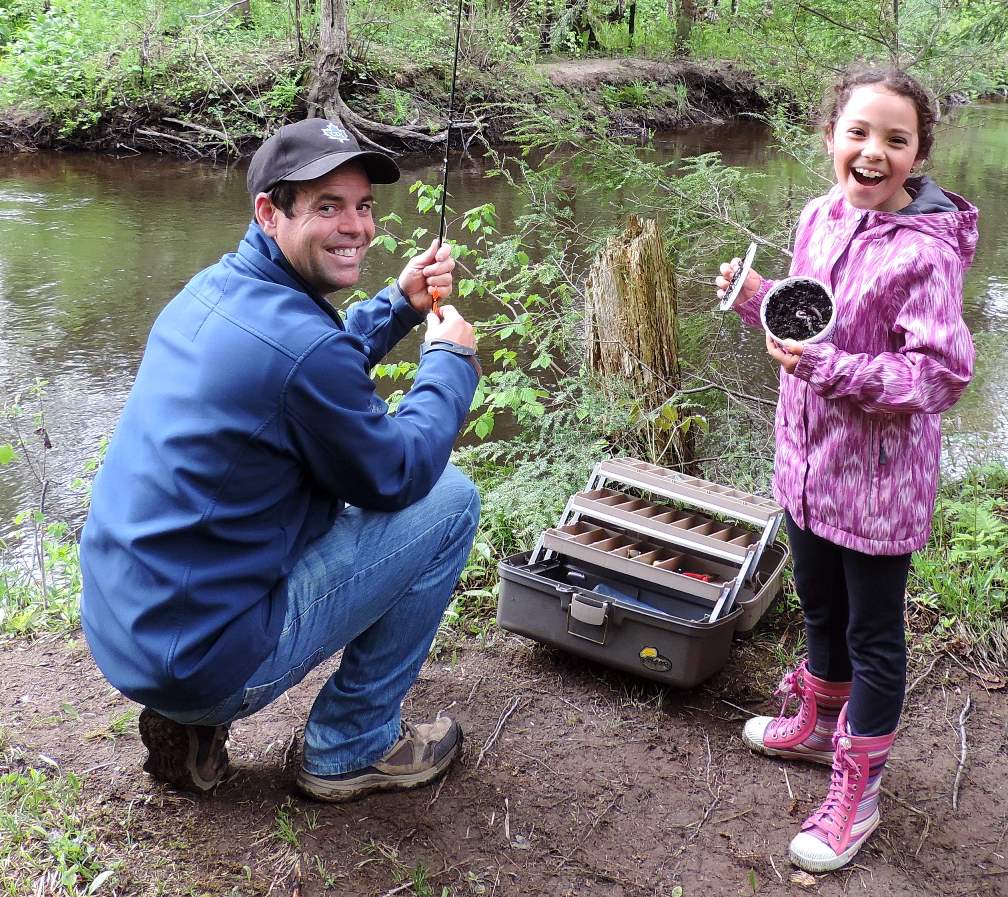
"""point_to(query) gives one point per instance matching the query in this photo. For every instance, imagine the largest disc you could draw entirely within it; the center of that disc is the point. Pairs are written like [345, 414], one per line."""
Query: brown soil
[598, 784]
[588, 74]
[714, 90]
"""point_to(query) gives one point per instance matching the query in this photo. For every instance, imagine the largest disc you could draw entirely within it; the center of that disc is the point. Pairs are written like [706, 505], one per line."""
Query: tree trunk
[685, 17]
[298, 36]
[323, 95]
[630, 327]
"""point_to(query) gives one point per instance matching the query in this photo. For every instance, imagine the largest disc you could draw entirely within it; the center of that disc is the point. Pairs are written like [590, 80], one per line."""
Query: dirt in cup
[798, 311]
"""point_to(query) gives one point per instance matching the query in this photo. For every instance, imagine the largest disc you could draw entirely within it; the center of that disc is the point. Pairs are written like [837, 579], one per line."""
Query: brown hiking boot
[193, 758]
[422, 755]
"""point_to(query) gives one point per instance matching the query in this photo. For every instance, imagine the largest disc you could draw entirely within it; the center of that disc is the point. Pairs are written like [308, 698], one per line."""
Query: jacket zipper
[878, 458]
[842, 257]
[804, 487]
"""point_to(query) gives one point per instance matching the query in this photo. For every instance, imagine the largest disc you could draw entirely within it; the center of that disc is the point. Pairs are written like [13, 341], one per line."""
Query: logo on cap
[335, 132]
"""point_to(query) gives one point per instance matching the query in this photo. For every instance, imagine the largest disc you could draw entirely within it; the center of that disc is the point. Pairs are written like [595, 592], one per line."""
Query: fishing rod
[442, 227]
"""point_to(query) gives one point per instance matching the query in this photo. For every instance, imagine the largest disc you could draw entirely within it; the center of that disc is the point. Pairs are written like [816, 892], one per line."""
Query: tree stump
[630, 324]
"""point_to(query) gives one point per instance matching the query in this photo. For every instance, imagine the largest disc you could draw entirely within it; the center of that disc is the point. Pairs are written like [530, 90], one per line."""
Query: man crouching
[258, 510]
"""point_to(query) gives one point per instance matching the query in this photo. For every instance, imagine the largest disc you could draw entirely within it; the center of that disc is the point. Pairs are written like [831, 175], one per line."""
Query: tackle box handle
[587, 611]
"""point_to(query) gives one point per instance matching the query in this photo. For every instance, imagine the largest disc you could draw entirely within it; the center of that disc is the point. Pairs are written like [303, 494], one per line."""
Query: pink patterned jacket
[858, 423]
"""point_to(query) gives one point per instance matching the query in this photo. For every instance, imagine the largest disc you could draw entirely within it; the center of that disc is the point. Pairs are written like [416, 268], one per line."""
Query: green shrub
[14, 15]
[40, 578]
[963, 572]
[636, 95]
[51, 64]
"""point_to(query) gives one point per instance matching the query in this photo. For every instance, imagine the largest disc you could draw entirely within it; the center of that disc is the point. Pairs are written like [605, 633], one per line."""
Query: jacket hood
[956, 228]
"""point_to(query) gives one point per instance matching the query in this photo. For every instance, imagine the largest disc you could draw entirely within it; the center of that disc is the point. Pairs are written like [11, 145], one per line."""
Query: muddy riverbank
[633, 94]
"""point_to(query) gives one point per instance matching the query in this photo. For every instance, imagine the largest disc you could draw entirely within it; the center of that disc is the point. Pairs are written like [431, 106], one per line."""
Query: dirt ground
[575, 780]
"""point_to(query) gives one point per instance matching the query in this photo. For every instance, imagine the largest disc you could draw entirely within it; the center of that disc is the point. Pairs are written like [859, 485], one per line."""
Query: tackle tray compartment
[625, 552]
[686, 527]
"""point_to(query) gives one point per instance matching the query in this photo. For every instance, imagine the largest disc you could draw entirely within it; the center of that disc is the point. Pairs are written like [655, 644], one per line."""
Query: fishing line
[451, 121]
[442, 228]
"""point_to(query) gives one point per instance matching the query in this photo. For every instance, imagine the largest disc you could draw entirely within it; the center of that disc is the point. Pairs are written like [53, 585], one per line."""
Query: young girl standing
[858, 438]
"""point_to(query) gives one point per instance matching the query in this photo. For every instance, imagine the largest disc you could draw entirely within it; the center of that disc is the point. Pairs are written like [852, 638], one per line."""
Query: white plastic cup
[823, 334]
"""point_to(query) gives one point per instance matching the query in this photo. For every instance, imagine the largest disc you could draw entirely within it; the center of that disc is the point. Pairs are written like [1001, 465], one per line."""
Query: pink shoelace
[829, 821]
[789, 687]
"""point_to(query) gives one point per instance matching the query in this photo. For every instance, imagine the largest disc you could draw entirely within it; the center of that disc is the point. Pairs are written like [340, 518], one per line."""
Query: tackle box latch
[586, 617]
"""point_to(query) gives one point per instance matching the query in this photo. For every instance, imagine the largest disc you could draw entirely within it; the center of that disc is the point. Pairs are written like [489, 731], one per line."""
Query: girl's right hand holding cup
[724, 279]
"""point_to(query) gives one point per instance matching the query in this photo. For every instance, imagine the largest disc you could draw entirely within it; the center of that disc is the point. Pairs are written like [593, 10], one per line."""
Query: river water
[91, 248]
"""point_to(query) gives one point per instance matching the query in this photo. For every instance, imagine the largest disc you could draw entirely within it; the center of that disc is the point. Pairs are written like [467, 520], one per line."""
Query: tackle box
[656, 585]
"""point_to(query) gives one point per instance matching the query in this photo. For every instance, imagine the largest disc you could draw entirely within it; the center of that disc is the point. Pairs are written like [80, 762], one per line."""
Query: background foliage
[239, 71]
[89, 63]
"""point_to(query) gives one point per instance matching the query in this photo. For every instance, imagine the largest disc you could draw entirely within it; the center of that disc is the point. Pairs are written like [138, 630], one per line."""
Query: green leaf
[99, 880]
[484, 425]
[7, 454]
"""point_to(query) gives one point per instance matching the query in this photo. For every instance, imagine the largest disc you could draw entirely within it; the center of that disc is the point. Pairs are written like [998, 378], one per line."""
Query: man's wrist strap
[450, 346]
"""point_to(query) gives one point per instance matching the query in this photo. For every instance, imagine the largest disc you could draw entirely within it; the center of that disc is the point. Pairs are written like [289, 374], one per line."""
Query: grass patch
[46, 846]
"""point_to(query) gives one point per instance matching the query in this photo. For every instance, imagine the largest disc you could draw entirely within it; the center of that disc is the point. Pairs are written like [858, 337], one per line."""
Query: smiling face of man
[327, 235]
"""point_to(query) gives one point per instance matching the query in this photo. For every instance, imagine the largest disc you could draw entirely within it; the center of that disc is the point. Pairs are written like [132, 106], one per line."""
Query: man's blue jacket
[252, 419]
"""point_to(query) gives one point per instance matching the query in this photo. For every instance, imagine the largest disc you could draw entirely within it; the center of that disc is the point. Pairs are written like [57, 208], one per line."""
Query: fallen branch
[160, 135]
[962, 752]
[220, 135]
[437, 793]
[489, 743]
[922, 676]
[708, 385]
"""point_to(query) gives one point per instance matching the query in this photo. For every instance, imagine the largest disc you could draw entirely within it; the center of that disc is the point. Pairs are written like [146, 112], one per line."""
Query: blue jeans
[376, 585]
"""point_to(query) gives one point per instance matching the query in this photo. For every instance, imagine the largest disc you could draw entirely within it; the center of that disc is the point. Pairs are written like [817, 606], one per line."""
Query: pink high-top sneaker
[809, 734]
[831, 836]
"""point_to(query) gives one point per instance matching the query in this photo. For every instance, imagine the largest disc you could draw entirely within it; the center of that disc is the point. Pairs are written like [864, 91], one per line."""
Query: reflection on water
[92, 247]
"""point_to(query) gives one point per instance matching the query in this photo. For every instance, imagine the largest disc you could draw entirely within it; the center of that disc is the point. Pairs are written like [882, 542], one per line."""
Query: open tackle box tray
[652, 586]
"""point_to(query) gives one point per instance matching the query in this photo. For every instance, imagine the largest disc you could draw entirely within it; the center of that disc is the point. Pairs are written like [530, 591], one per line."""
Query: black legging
[853, 605]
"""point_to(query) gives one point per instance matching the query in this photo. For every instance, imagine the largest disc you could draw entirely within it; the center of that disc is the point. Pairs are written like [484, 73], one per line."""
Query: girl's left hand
[787, 354]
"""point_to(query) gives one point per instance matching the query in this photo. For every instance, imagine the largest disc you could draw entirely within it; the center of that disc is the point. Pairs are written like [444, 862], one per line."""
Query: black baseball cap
[309, 149]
